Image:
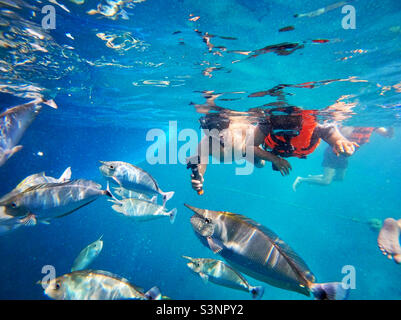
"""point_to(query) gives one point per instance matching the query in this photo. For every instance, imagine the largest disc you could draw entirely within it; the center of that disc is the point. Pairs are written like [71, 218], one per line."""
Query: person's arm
[281, 164]
[336, 140]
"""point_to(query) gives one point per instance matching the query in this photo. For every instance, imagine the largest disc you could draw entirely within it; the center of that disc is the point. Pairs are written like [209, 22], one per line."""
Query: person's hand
[197, 185]
[346, 147]
[282, 165]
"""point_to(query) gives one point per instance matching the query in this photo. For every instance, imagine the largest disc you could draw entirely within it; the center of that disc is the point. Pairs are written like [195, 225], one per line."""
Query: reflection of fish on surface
[35, 179]
[13, 124]
[142, 210]
[53, 200]
[96, 285]
[218, 272]
[133, 178]
[258, 252]
[87, 255]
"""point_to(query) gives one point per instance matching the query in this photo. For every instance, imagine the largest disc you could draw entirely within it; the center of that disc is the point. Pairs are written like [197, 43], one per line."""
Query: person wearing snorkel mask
[272, 134]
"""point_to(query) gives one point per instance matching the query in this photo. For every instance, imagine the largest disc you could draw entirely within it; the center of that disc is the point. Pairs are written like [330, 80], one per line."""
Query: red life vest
[299, 145]
[361, 135]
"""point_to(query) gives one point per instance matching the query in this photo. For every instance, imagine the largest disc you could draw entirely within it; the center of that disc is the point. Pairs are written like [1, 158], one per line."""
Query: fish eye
[57, 286]
[207, 220]
[111, 167]
[13, 205]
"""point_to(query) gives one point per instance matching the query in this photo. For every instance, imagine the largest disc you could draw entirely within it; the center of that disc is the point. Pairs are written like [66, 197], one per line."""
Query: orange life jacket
[361, 135]
[299, 145]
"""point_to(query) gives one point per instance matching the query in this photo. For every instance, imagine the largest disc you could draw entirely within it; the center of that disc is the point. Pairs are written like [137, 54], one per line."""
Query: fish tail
[167, 196]
[66, 175]
[329, 291]
[172, 214]
[257, 292]
[153, 294]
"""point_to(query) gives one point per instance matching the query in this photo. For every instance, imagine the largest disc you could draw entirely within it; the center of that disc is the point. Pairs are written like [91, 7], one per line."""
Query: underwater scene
[200, 150]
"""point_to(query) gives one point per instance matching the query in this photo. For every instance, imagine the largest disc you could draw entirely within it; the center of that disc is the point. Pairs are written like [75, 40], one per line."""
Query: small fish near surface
[53, 200]
[142, 210]
[218, 272]
[258, 252]
[35, 179]
[96, 285]
[87, 255]
[133, 178]
[13, 124]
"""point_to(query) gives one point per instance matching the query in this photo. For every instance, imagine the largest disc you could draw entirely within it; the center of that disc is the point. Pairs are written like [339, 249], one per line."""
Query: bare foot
[297, 181]
[388, 239]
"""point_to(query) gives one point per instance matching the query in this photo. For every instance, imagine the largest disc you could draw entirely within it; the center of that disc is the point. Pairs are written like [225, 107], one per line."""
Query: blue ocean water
[145, 72]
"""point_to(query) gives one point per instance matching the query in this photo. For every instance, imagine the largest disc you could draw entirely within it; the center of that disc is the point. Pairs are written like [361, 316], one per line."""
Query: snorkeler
[334, 165]
[271, 135]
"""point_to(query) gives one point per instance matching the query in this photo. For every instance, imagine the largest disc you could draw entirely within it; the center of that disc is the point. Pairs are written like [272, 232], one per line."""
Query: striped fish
[53, 200]
[258, 252]
[218, 272]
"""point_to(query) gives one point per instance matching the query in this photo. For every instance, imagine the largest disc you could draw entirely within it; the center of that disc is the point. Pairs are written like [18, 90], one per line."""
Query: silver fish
[258, 252]
[87, 255]
[13, 124]
[133, 178]
[96, 285]
[125, 194]
[35, 179]
[53, 200]
[9, 223]
[218, 272]
[142, 210]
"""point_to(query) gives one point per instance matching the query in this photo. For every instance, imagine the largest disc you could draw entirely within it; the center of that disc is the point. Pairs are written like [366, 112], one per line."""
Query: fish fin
[204, 277]
[173, 214]
[153, 294]
[50, 103]
[167, 196]
[257, 292]
[66, 175]
[154, 199]
[116, 181]
[13, 151]
[329, 291]
[29, 220]
[46, 222]
[118, 208]
[213, 245]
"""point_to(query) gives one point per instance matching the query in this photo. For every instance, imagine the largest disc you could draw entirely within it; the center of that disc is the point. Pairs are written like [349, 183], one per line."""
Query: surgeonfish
[258, 252]
[53, 200]
[35, 179]
[96, 285]
[87, 255]
[218, 272]
[133, 178]
[142, 210]
[13, 124]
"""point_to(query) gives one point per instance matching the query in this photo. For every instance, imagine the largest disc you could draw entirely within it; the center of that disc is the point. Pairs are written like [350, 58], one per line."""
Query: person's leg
[322, 180]
[340, 174]
[388, 240]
